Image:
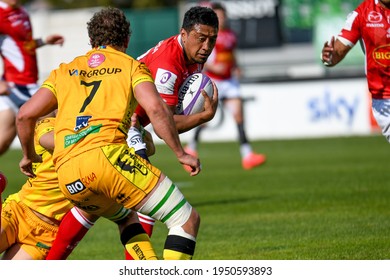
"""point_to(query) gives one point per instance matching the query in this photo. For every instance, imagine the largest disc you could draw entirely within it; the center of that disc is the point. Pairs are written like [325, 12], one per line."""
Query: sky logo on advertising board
[327, 107]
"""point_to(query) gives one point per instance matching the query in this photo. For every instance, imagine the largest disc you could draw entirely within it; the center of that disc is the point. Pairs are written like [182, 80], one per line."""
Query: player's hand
[55, 39]
[26, 165]
[327, 52]
[211, 104]
[190, 161]
[147, 137]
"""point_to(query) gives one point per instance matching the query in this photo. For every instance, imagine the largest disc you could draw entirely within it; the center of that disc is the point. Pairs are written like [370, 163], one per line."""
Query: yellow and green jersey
[91, 91]
[42, 193]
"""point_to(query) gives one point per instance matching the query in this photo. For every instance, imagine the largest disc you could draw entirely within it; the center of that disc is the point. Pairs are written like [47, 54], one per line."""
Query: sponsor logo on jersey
[381, 55]
[96, 59]
[122, 198]
[165, 81]
[165, 77]
[74, 138]
[81, 122]
[75, 187]
[90, 178]
[374, 19]
[132, 167]
[94, 73]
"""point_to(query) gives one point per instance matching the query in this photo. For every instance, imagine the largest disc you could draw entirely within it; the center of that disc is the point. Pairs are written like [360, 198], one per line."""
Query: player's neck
[385, 4]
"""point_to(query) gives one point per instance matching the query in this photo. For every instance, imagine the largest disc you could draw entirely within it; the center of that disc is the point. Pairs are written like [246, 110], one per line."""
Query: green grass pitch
[314, 199]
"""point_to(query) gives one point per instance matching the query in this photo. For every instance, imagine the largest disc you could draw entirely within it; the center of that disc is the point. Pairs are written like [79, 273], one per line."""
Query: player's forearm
[188, 122]
[165, 128]
[25, 128]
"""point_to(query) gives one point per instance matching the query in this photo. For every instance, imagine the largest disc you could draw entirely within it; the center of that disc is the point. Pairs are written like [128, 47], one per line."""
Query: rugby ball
[190, 99]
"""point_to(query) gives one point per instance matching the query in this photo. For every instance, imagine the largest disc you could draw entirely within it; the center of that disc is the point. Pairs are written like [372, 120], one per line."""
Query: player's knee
[167, 204]
[193, 222]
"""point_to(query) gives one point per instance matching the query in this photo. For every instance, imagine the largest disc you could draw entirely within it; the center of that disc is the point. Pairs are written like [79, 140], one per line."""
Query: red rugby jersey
[370, 22]
[168, 66]
[17, 46]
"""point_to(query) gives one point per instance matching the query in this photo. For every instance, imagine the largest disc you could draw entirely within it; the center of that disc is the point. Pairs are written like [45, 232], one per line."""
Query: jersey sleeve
[49, 83]
[141, 74]
[42, 127]
[351, 33]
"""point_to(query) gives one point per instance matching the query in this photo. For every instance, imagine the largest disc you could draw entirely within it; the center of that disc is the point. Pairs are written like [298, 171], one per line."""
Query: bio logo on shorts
[75, 187]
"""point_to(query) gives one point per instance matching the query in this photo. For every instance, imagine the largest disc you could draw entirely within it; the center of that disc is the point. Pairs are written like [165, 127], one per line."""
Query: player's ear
[127, 42]
[184, 35]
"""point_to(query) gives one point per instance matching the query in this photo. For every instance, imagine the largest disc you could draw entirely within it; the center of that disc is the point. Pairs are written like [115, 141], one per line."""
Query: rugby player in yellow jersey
[31, 218]
[77, 222]
[96, 95]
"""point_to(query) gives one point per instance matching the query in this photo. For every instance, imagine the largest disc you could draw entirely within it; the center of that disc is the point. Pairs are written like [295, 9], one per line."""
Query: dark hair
[110, 27]
[199, 15]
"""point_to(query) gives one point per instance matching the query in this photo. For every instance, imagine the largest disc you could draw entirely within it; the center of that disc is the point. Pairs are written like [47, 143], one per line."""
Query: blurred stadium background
[324, 198]
[279, 48]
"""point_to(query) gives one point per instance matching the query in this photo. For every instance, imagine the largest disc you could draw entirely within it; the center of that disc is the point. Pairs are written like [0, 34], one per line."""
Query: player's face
[198, 43]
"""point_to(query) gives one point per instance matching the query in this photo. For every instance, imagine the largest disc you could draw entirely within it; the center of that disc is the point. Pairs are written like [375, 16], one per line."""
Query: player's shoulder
[368, 6]
[166, 50]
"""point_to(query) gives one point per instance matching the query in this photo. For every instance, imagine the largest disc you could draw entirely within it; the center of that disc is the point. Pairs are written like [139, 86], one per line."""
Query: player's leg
[135, 239]
[9, 225]
[232, 99]
[147, 224]
[143, 146]
[192, 146]
[108, 195]
[168, 205]
[15, 252]
[7, 128]
[23, 234]
[72, 229]
[9, 106]
[381, 112]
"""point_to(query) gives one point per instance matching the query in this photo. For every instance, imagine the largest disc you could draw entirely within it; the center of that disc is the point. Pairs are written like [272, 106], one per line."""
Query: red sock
[72, 229]
[148, 224]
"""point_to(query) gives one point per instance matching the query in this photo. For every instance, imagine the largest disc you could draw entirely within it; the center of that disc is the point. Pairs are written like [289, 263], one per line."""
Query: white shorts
[381, 112]
[19, 94]
[228, 89]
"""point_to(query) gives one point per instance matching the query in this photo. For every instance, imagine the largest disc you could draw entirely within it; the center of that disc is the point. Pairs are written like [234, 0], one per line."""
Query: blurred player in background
[222, 68]
[369, 23]
[96, 95]
[20, 75]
